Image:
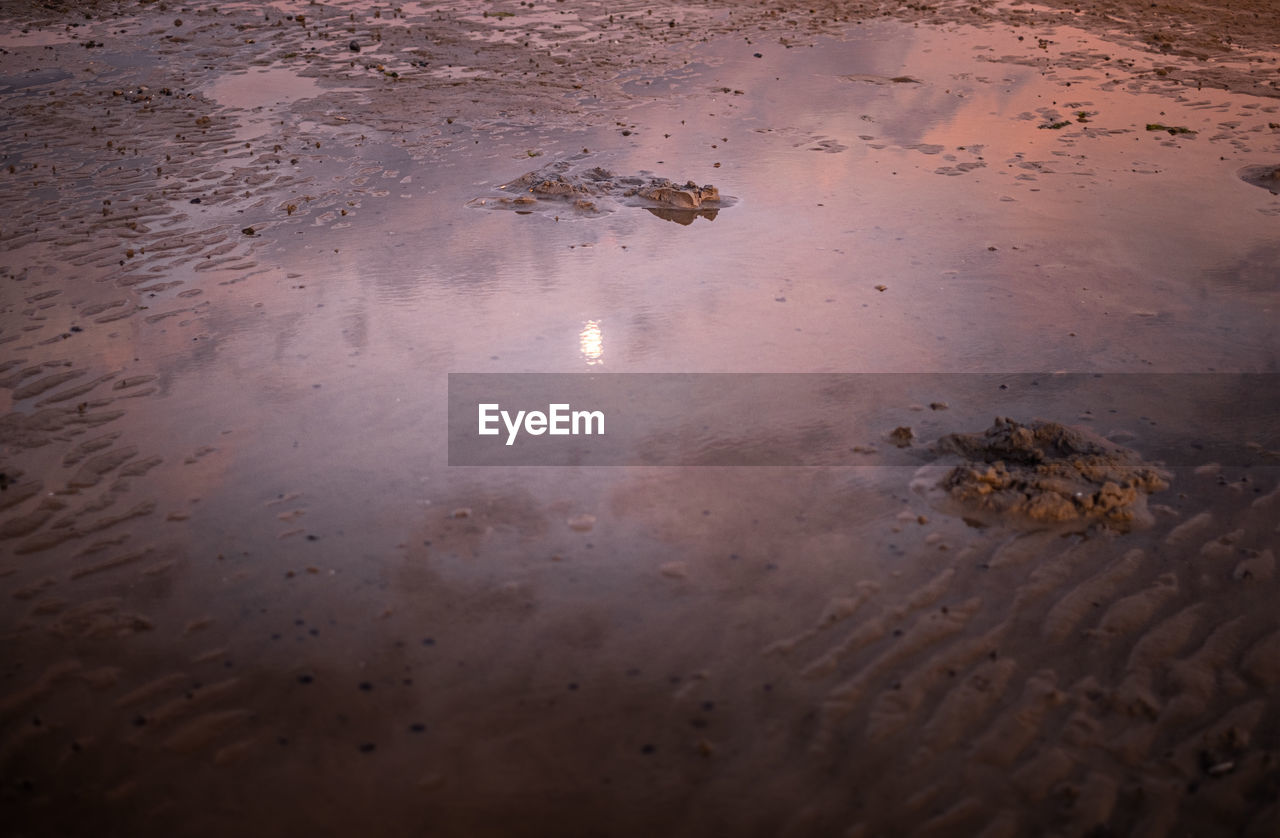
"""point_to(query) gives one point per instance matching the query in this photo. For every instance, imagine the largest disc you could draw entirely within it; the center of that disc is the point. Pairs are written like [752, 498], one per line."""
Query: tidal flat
[245, 591]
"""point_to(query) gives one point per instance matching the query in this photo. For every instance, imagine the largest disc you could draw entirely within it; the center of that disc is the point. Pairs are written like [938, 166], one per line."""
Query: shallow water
[304, 590]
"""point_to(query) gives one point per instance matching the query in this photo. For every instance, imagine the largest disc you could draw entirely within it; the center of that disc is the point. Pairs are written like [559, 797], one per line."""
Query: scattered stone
[674, 570]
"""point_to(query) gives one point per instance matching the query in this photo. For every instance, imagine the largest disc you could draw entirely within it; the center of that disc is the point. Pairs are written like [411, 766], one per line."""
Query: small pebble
[582, 523]
[674, 570]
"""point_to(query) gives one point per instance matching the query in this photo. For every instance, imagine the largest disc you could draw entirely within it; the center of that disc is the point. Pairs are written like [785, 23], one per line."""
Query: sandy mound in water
[593, 190]
[1046, 474]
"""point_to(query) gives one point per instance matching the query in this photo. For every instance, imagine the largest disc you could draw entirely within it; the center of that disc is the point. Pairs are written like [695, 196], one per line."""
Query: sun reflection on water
[591, 343]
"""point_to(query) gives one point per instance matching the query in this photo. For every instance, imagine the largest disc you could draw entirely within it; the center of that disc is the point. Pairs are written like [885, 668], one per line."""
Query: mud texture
[244, 594]
[1046, 474]
[570, 185]
[1268, 177]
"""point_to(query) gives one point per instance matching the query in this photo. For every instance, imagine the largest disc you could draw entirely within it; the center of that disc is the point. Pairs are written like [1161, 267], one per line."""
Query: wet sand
[244, 245]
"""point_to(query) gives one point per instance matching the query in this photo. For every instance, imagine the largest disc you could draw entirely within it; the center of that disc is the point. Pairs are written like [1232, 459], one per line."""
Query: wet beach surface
[244, 245]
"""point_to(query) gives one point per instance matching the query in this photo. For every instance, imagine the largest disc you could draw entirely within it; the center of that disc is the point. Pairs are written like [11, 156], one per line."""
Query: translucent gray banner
[856, 419]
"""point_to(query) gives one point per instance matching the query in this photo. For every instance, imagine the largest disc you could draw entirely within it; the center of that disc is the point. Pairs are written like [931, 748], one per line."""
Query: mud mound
[1044, 474]
[593, 191]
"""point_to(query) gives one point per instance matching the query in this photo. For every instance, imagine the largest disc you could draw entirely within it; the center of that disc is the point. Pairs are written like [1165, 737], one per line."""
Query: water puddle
[235, 539]
[26, 81]
[258, 89]
[40, 38]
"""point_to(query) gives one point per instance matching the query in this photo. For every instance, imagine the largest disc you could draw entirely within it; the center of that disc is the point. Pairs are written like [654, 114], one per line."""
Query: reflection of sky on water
[298, 424]
[1073, 261]
[799, 258]
[262, 88]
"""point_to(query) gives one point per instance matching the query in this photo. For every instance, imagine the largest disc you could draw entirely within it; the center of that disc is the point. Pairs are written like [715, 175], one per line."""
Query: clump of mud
[594, 190]
[1043, 474]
